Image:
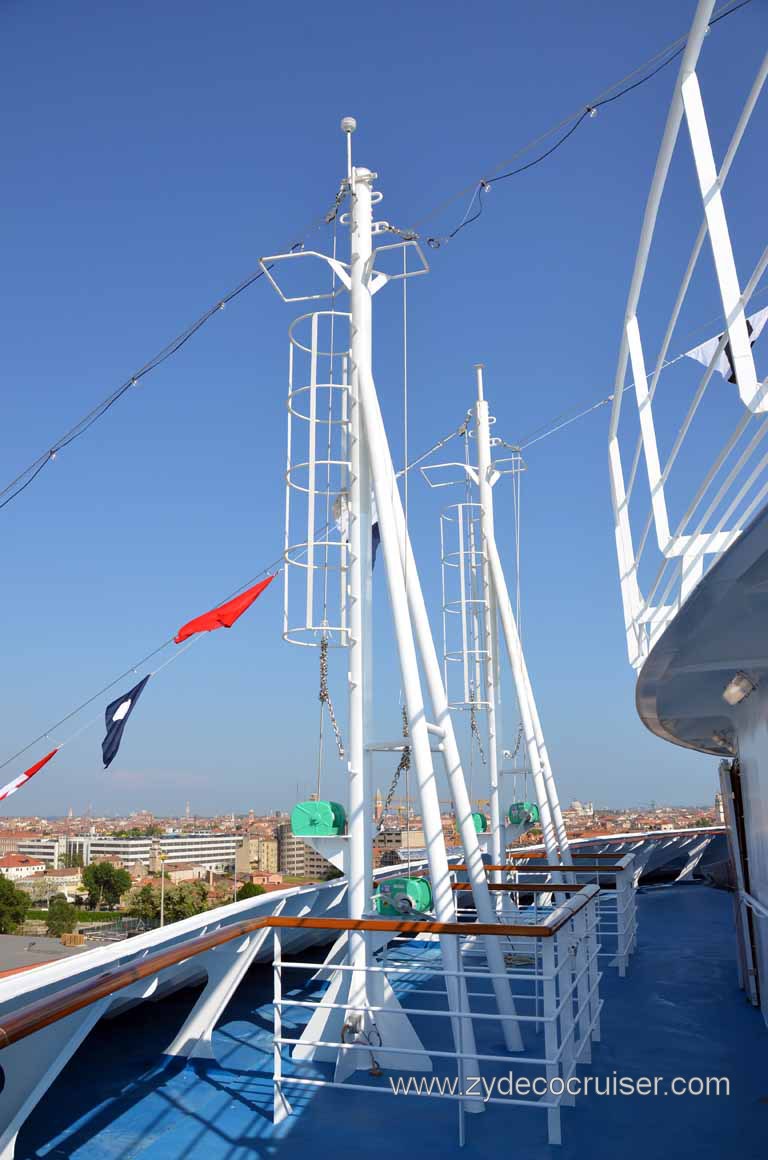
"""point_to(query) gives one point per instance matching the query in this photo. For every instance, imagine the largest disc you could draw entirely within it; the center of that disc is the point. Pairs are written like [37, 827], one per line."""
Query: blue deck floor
[679, 1013]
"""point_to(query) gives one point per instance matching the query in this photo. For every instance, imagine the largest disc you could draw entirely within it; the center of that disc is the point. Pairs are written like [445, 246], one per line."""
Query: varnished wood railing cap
[32, 1017]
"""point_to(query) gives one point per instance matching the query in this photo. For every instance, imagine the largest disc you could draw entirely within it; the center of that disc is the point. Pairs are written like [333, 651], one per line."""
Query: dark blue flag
[375, 541]
[115, 718]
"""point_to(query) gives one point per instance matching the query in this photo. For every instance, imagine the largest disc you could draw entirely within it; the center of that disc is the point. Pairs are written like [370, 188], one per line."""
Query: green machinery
[398, 896]
[521, 812]
[318, 819]
[480, 823]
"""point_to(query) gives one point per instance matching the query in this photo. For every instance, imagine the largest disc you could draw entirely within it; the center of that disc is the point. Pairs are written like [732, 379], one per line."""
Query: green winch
[315, 818]
[396, 896]
[521, 812]
[480, 823]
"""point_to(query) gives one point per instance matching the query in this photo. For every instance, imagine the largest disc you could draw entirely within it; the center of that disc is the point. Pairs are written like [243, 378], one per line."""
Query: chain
[406, 235]
[333, 212]
[518, 741]
[403, 766]
[474, 729]
[325, 696]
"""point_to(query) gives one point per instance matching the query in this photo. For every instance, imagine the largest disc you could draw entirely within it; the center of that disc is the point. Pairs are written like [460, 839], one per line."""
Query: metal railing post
[549, 996]
[582, 987]
[565, 967]
[280, 1106]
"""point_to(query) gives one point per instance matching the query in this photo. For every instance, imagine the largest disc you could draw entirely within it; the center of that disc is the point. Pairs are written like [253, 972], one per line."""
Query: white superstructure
[689, 480]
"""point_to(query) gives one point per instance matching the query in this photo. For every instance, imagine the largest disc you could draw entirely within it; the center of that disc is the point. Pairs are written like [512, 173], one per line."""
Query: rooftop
[678, 1013]
[12, 861]
[20, 952]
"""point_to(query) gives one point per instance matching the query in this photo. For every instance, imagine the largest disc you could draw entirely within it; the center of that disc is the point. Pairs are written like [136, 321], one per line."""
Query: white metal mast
[474, 523]
[553, 829]
[360, 862]
[482, 438]
[367, 466]
[412, 629]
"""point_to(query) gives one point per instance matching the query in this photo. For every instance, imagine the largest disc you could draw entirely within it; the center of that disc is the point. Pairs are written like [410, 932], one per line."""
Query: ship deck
[678, 1013]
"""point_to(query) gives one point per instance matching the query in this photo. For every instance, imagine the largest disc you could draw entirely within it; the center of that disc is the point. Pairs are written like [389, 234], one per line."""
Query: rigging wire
[566, 418]
[570, 123]
[274, 567]
[29, 474]
[21, 482]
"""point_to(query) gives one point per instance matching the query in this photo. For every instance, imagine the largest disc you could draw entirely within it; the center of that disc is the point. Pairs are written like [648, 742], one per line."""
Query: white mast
[498, 843]
[360, 862]
[411, 625]
[553, 830]
[364, 464]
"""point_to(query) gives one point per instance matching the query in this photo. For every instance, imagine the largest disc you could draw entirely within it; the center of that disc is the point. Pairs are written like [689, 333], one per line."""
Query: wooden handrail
[525, 887]
[50, 1009]
[540, 867]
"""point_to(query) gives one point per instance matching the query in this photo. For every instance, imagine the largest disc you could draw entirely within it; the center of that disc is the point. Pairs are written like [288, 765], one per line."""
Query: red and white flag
[23, 778]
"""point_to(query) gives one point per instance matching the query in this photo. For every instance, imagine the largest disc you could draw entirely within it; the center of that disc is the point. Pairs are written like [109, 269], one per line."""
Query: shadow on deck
[678, 1014]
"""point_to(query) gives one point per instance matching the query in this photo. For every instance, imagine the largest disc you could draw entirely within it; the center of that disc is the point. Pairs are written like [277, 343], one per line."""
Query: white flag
[724, 362]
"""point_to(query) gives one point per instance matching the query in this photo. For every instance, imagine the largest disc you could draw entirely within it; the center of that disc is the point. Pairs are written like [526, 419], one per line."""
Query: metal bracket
[464, 470]
[378, 278]
[340, 269]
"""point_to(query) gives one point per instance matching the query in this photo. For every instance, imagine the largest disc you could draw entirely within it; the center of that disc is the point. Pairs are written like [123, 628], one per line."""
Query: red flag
[23, 778]
[225, 615]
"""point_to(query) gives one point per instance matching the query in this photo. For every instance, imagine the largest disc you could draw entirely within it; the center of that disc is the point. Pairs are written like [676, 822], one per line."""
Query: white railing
[660, 568]
[616, 881]
[553, 969]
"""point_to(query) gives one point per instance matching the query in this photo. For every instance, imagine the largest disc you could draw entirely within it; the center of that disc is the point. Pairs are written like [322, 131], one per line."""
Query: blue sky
[155, 151]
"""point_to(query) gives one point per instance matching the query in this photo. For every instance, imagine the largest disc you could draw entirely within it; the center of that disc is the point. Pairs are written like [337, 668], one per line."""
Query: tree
[62, 917]
[40, 892]
[144, 903]
[185, 900]
[72, 861]
[249, 890]
[13, 906]
[105, 884]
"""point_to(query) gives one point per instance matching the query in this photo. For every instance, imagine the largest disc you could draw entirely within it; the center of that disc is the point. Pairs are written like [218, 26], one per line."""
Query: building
[176, 872]
[296, 859]
[211, 850]
[16, 866]
[43, 884]
[386, 848]
[11, 840]
[719, 810]
[266, 854]
[48, 850]
[265, 878]
[581, 809]
[258, 853]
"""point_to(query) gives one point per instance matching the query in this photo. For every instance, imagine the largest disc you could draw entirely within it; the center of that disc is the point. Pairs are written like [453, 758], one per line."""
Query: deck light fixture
[738, 689]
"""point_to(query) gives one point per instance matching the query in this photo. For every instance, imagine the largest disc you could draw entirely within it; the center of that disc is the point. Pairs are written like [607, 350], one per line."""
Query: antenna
[348, 126]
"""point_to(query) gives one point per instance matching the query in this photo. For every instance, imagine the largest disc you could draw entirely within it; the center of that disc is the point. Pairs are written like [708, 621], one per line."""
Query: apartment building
[296, 859]
[213, 851]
